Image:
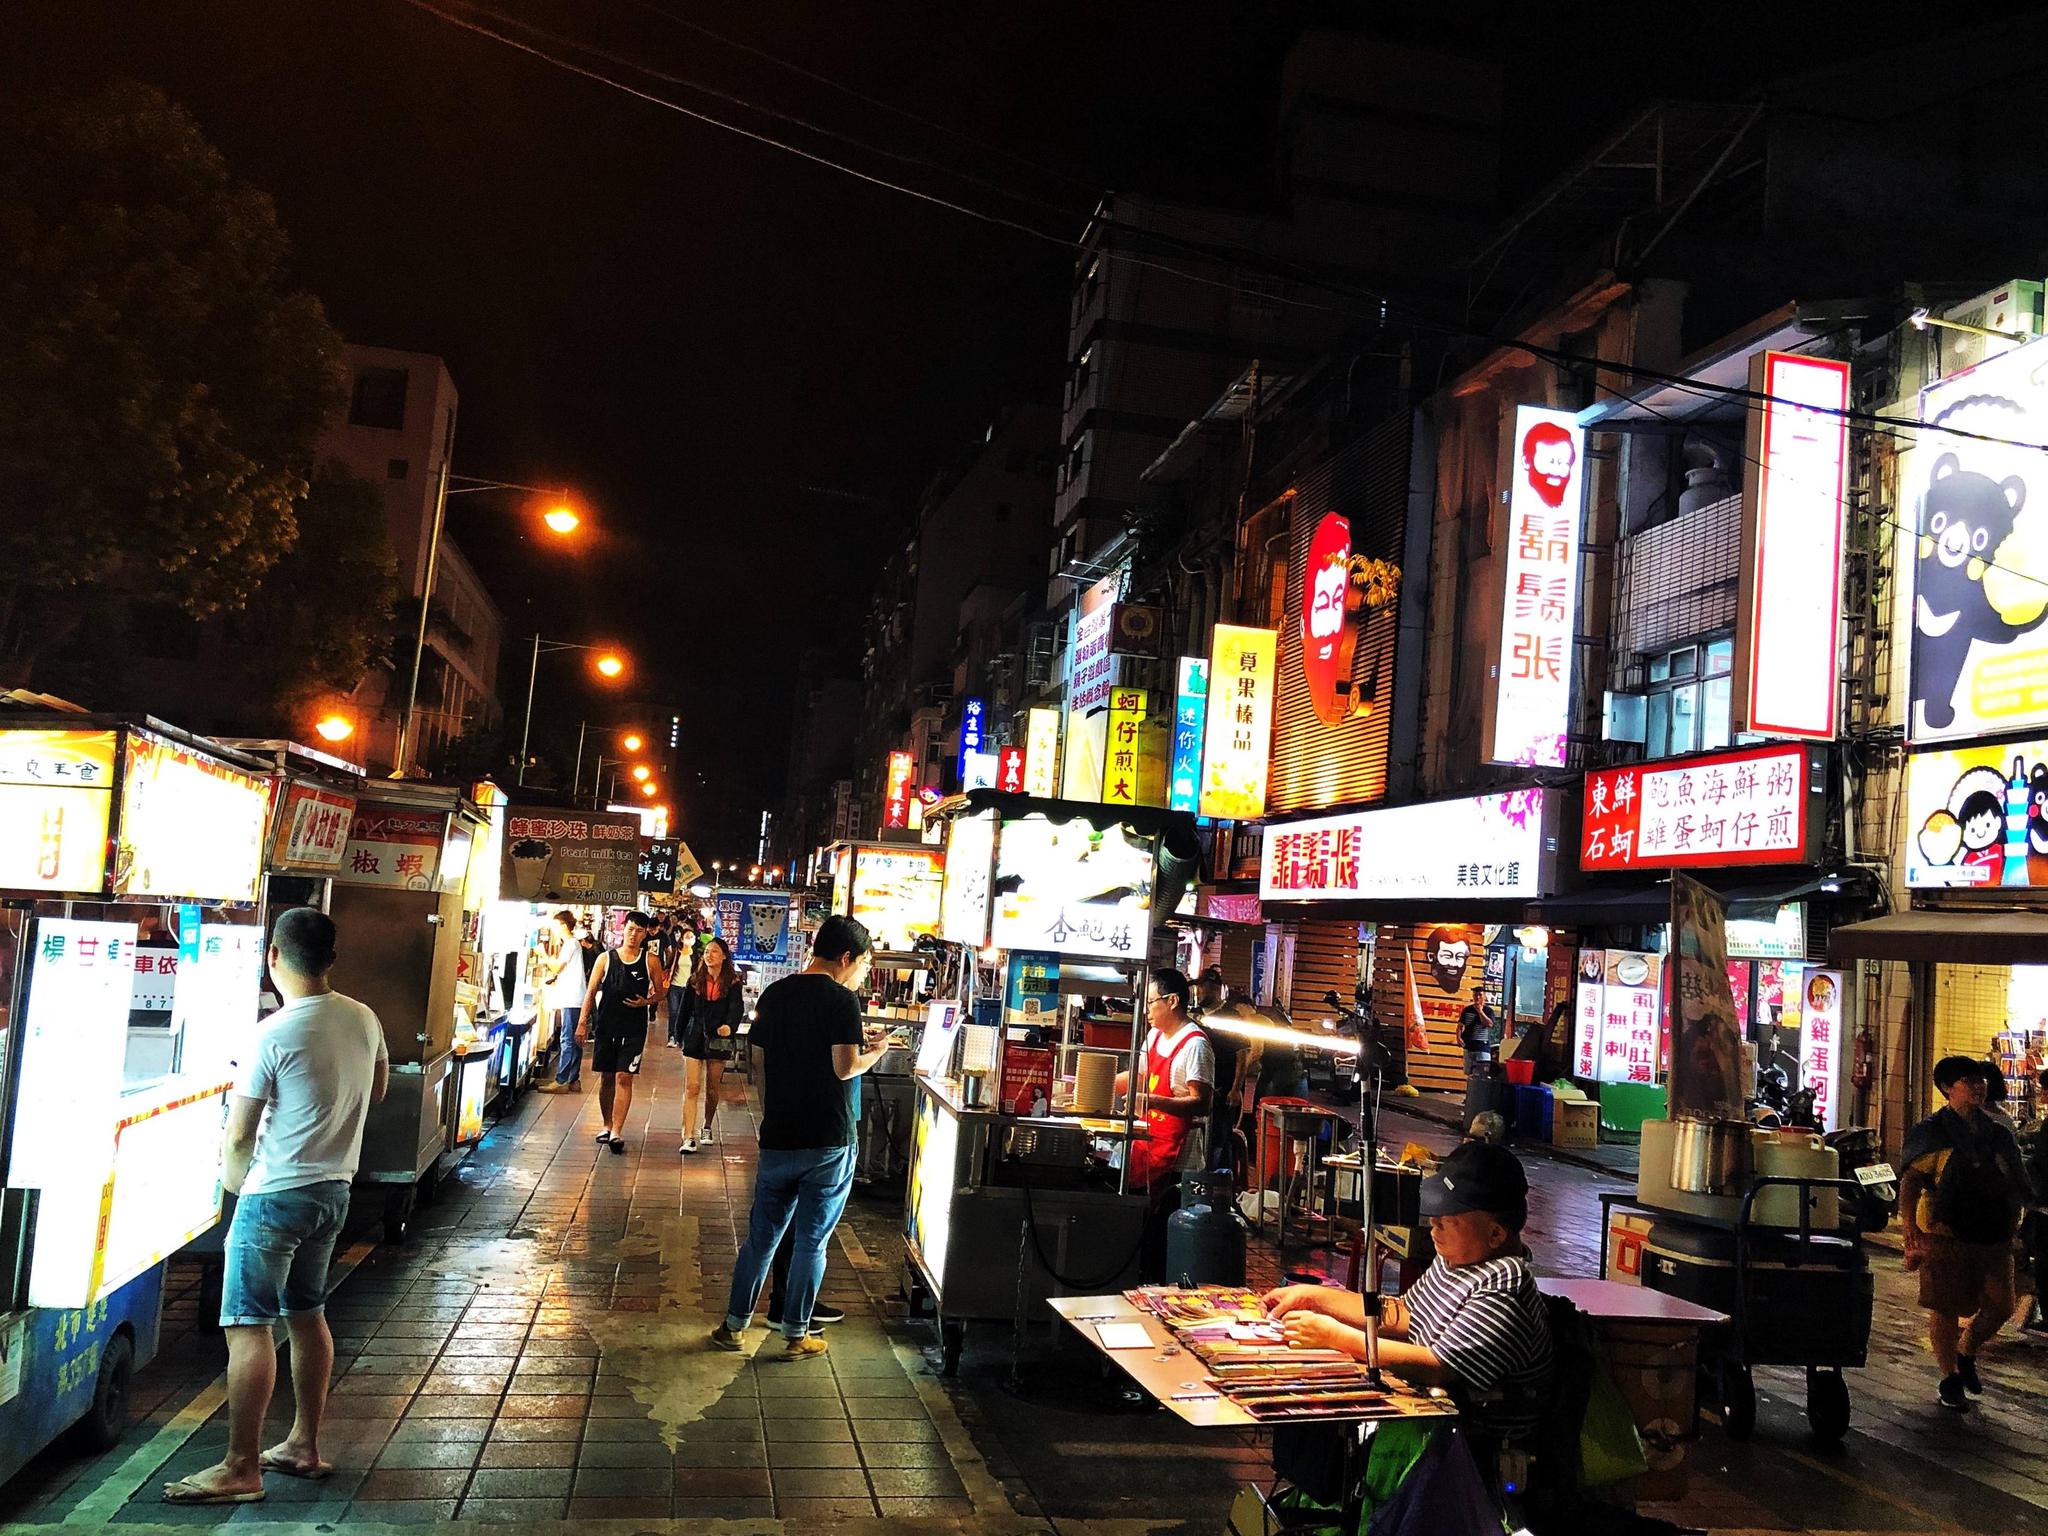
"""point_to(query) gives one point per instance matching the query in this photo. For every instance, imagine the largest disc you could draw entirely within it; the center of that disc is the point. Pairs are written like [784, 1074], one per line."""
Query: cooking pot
[1710, 1157]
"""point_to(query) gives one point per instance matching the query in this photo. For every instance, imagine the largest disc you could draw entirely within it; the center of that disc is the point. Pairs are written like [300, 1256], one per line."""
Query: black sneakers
[1966, 1372]
[820, 1314]
[1950, 1394]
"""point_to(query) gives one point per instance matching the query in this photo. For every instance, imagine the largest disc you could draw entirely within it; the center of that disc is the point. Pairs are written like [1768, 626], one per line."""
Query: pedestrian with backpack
[1960, 1199]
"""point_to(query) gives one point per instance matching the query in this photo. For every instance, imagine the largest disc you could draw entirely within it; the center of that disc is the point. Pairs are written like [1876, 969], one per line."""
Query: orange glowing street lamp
[649, 790]
[335, 727]
[631, 741]
[642, 772]
[608, 665]
[561, 519]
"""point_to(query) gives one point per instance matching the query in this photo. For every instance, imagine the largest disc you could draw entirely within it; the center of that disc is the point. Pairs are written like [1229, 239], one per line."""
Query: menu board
[191, 825]
[1627, 1000]
[1071, 888]
[589, 857]
[896, 894]
[56, 796]
[395, 847]
[970, 864]
[312, 829]
[80, 979]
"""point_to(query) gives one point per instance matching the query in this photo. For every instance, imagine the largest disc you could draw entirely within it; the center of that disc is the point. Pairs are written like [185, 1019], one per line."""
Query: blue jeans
[810, 1187]
[274, 1263]
[568, 1054]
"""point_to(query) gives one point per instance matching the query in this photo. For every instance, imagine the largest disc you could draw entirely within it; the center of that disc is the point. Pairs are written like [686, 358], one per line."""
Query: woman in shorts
[717, 1008]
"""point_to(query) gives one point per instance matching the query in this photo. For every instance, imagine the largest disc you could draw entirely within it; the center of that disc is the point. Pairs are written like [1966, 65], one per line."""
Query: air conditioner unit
[2014, 307]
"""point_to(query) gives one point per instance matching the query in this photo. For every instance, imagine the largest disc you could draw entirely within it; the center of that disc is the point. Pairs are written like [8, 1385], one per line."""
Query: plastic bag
[1609, 1447]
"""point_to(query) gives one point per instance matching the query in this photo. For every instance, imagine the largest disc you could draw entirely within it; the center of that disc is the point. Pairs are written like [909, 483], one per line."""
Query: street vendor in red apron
[1179, 1082]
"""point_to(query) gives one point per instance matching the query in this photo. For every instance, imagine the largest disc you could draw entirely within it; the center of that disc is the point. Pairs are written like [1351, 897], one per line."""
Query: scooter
[1862, 1158]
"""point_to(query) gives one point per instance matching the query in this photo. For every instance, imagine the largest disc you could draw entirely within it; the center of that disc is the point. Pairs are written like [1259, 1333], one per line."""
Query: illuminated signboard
[978, 770]
[1620, 1011]
[1240, 727]
[1123, 769]
[896, 894]
[1042, 752]
[311, 829]
[1788, 623]
[1820, 1040]
[1756, 805]
[970, 861]
[56, 796]
[972, 713]
[1010, 768]
[1190, 717]
[1490, 846]
[1979, 659]
[555, 855]
[190, 824]
[1977, 818]
[1071, 888]
[1529, 689]
[1327, 640]
[1090, 662]
[897, 789]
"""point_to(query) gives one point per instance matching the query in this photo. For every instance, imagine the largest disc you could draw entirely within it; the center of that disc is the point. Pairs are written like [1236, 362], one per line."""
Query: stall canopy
[1961, 938]
[1650, 902]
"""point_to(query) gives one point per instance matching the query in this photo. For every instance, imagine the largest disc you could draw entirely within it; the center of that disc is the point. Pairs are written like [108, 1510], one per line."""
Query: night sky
[746, 363]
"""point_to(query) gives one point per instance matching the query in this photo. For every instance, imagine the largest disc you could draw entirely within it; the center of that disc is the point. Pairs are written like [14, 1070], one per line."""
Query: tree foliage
[161, 383]
[324, 612]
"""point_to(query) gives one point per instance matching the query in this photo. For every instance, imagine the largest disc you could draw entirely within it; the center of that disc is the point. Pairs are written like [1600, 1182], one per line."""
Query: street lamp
[562, 519]
[443, 489]
[642, 772]
[629, 739]
[631, 742]
[649, 790]
[334, 727]
[608, 665]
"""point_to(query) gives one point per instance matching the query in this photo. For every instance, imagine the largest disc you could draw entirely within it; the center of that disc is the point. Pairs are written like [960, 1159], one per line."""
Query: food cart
[1012, 1200]
[892, 889]
[405, 943]
[131, 950]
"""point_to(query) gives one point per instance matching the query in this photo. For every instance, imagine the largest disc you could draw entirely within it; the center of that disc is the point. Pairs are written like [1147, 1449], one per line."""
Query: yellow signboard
[1134, 765]
[56, 793]
[1042, 753]
[1240, 730]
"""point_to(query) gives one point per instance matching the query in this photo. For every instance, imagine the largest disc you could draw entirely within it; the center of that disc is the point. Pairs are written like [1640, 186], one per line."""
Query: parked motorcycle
[1862, 1158]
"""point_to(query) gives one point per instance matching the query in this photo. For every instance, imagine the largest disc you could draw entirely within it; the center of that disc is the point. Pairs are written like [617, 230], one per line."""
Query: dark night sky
[748, 364]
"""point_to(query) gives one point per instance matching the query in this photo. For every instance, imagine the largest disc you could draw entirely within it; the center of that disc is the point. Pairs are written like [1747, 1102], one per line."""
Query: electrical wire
[1385, 311]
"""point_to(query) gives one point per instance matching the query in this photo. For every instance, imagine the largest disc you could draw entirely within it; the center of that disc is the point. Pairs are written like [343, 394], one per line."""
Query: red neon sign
[1327, 640]
[896, 797]
[1010, 770]
[1744, 807]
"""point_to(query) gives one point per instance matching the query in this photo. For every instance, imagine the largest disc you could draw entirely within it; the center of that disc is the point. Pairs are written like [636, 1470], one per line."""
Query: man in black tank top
[618, 1005]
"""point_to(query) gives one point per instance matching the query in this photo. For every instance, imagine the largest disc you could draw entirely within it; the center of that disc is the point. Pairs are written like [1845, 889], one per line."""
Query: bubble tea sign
[557, 855]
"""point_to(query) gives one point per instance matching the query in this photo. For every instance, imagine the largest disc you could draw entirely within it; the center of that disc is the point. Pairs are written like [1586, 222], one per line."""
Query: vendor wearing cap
[1474, 1324]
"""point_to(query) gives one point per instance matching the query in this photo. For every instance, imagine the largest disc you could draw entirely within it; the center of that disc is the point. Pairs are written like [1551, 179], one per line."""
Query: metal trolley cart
[1796, 1295]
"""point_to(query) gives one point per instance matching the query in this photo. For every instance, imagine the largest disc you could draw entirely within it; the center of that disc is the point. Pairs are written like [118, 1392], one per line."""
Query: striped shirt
[1488, 1325]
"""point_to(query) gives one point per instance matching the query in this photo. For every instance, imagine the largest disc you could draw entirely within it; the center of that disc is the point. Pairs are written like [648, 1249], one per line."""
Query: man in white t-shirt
[294, 1137]
[563, 980]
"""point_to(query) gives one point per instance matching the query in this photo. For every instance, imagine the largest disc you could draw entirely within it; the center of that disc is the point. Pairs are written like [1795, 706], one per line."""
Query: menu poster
[1706, 1056]
[555, 855]
[1631, 1001]
[896, 894]
[1591, 1010]
[756, 925]
[312, 829]
[81, 977]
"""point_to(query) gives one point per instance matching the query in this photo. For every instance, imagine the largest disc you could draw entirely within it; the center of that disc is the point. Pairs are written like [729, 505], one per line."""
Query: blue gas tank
[1205, 1237]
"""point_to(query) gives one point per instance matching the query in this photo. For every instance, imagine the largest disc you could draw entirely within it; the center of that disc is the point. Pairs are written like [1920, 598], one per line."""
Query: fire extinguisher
[1863, 1069]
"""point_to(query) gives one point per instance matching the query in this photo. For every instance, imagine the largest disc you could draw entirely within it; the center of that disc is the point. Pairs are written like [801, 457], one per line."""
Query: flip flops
[185, 1491]
[318, 1472]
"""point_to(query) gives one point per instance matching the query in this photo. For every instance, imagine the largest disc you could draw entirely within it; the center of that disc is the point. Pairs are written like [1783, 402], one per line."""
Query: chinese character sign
[1620, 1017]
[81, 977]
[1090, 663]
[1590, 1013]
[1239, 735]
[56, 797]
[312, 828]
[1190, 718]
[1706, 1047]
[1979, 656]
[394, 847]
[1789, 614]
[658, 866]
[1072, 888]
[191, 825]
[1820, 1041]
[1487, 846]
[1010, 770]
[1042, 752]
[1753, 806]
[1532, 679]
[588, 857]
[896, 790]
[972, 713]
[970, 865]
[1127, 767]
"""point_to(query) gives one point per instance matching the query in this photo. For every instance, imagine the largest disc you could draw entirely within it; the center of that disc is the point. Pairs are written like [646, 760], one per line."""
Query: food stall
[131, 950]
[405, 937]
[1016, 1186]
[892, 889]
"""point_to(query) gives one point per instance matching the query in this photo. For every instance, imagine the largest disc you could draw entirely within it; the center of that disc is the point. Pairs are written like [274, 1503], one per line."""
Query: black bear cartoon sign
[1980, 569]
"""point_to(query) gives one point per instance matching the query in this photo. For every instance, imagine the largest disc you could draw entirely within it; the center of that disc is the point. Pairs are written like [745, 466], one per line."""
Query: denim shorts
[278, 1248]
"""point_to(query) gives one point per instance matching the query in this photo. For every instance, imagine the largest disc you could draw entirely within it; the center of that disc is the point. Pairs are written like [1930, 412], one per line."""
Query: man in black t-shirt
[808, 1030]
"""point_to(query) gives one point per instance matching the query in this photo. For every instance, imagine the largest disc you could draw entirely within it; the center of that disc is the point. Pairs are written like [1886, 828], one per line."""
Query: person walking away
[808, 1030]
[2034, 1226]
[717, 1008]
[563, 981]
[1179, 1085]
[618, 1008]
[1476, 1032]
[1960, 1198]
[294, 1138]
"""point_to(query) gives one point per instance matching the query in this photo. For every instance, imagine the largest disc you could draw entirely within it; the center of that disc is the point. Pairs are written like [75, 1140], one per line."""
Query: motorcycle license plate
[1876, 1173]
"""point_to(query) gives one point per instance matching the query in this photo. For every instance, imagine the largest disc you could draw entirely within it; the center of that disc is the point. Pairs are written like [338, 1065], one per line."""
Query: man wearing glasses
[809, 1032]
[1179, 1083]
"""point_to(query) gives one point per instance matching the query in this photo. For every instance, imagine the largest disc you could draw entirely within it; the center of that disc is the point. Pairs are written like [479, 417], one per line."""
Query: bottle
[2015, 871]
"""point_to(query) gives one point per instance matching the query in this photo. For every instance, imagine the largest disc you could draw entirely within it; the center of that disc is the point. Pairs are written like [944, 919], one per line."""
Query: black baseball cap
[1951, 1070]
[1477, 1176]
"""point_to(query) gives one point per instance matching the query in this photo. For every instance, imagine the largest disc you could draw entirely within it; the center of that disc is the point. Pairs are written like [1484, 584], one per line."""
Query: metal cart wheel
[952, 1335]
[398, 1204]
[1827, 1405]
[1737, 1400]
[107, 1419]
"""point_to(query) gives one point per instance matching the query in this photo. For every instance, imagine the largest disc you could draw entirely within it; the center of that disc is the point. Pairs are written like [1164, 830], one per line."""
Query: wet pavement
[534, 1355]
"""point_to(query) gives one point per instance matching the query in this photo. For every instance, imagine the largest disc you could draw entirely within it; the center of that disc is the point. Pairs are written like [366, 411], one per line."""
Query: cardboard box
[1575, 1123]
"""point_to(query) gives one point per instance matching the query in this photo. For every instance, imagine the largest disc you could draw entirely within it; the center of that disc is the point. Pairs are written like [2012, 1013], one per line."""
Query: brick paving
[533, 1355]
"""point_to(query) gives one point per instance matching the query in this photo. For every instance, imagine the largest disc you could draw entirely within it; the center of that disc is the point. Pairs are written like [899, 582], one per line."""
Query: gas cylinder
[1205, 1237]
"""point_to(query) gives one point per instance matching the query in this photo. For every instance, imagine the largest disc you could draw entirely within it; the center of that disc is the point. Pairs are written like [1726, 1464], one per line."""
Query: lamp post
[560, 520]
[608, 665]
